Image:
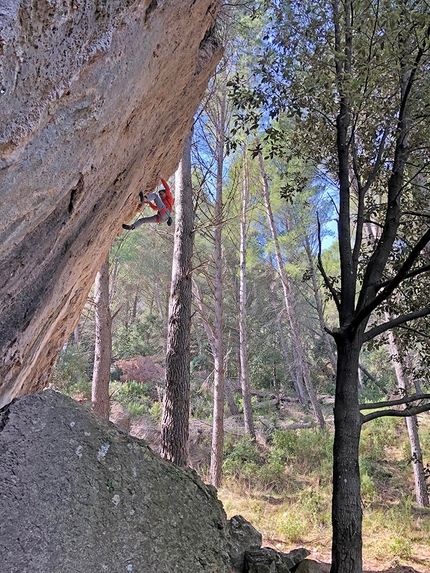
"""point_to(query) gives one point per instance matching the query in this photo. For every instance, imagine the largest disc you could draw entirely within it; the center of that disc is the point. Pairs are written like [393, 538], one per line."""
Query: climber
[163, 204]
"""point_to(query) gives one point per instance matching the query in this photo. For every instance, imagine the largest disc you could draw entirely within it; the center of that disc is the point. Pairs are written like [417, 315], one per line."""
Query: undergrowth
[281, 483]
[284, 489]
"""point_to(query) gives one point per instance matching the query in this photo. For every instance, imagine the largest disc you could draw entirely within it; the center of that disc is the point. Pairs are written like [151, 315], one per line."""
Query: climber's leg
[139, 222]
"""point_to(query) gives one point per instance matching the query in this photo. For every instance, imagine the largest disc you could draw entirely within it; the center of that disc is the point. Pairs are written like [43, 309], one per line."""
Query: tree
[103, 343]
[244, 375]
[176, 404]
[421, 493]
[351, 76]
[218, 418]
[387, 173]
[300, 363]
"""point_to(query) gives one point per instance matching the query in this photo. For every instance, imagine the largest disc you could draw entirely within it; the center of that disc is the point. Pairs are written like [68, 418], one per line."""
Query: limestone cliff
[95, 97]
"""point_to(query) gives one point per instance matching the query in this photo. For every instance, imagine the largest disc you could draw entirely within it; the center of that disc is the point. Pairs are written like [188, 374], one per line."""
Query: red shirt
[168, 199]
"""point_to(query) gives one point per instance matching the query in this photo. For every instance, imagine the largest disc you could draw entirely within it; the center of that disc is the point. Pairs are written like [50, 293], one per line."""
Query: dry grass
[396, 533]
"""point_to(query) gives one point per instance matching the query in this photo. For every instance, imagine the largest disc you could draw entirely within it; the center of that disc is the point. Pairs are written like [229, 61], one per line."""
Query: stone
[294, 557]
[264, 560]
[242, 536]
[308, 566]
[95, 98]
[79, 495]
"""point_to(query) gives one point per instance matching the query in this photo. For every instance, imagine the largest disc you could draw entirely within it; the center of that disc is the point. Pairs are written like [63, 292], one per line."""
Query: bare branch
[398, 402]
[397, 413]
[321, 269]
[395, 322]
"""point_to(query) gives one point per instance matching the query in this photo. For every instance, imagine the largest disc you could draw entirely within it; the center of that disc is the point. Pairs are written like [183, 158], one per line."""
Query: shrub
[310, 449]
[156, 411]
[293, 527]
[241, 457]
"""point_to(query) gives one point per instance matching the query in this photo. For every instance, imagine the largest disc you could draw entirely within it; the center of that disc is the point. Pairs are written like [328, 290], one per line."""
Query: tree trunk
[218, 412]
[103, 343]
[299, 354]
[301, 394]
[421, 493]
[244, 379]
[346, 508]
[234, 410]
[176, 404]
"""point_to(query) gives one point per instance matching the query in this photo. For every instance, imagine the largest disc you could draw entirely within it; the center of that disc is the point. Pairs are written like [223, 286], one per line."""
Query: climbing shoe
[142, 197]
[128, 227]
[169, 221]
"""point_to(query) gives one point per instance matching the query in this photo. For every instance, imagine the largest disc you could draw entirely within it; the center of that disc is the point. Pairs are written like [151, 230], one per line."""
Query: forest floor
[252, 505]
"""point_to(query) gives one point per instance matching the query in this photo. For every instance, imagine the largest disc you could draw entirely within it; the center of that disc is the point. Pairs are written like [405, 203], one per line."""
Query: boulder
[242, 537]
[264, 560]
[294, 557]
[78, 494]
[96, 97]
[268, 560]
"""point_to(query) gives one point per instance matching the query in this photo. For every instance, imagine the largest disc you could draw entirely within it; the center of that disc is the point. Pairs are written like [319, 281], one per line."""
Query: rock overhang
[97, 97]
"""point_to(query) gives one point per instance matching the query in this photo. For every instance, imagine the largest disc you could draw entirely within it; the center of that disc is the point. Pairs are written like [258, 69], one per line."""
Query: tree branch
[416, 213]
[360, 208]
[395, 322]
[321, 269]
[398, 402]
[415, 331]
[413, 273]
[397, 413]
[393, 283]
[367, 300]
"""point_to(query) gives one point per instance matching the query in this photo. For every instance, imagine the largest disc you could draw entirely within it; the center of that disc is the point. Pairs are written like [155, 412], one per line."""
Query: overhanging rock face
[96, 97]
[77, 495]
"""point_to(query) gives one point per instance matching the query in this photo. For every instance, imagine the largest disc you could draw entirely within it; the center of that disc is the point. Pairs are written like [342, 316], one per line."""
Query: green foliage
[293, 527]
[137, 339]
[368, 490]
[244, 461]
[401, 547]
[110, 484]
[156, 411]
[70, 373]
[244, 450]
[136, 410]
[134, 397]
[378, 435]
[200, 362]
[310, 449]
[285, 489]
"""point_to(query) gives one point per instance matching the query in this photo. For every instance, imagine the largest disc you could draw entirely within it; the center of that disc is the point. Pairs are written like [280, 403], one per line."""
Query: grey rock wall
[96, 97]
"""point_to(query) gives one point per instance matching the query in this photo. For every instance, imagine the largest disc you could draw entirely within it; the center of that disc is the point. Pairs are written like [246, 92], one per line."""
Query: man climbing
[163, 204]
